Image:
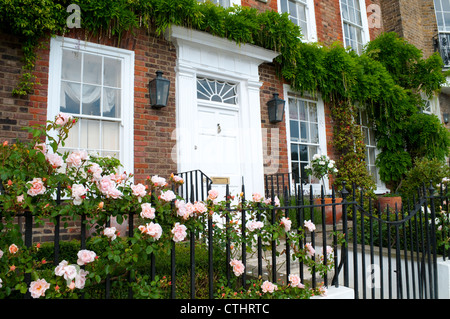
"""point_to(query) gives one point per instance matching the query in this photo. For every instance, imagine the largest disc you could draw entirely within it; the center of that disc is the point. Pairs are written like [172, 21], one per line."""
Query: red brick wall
[276, 157]
[152, 128]
[261, 5]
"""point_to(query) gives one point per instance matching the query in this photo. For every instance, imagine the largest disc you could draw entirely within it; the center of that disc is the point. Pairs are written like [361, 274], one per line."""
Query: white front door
[217, 149]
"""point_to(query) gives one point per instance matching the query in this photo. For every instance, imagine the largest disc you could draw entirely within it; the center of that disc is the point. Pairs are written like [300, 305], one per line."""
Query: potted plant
[391, 200]
[322, 165]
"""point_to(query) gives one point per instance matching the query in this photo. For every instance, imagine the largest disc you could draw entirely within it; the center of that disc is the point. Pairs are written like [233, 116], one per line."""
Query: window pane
[70, 98]
[314, 133]
[312, 152]
[372, 137]
[294, 152]
[91, 100]
[302, 109]
[71, 66]
[445, 5]
[92, 69]
[112, 72]
[284, 6]
[294, 131]
[304, 132]
[111, 103]
[344, 9]
[371, 155]
[72, 140]
[440, 21]
[110, 135]
[293, 9]
[437, 5]
[295, 171]
[312, 112]
[304, 153]
[374, 173]
[90, 135]
[447, 19]
[293, 110]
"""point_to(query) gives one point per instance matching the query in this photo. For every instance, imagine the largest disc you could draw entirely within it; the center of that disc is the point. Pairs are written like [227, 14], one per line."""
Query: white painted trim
[201, 54]
[127, 96]
[364, 21]
[311, 20]
[322, 134]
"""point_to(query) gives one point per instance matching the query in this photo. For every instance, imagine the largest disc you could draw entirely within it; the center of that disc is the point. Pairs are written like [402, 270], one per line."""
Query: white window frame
[322, 146]
[310, 20]
[441, 28]
[365, 35]
[380, 185]
[126, 135]
[232, 2]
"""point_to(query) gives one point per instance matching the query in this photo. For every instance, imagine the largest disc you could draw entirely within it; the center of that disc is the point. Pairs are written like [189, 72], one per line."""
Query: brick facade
[414, 20]
[153, 129]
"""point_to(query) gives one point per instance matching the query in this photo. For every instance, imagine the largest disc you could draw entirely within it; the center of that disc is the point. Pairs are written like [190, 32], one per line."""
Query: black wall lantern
[159, 91]
[446, 118]
[276, 109]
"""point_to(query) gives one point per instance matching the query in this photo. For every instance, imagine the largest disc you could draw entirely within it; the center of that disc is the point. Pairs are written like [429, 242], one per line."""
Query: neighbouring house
[216, 119]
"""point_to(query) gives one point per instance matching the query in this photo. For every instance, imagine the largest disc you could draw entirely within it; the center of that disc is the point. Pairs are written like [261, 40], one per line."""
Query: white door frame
[201, 54]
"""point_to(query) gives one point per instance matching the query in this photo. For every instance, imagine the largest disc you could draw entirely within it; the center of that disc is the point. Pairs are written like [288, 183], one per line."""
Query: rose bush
[37, 179]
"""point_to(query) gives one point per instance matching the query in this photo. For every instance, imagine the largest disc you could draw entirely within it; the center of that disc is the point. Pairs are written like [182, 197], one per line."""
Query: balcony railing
[442, 44]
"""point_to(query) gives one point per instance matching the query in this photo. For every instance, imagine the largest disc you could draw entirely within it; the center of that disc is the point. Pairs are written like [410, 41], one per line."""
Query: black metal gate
[390, 253]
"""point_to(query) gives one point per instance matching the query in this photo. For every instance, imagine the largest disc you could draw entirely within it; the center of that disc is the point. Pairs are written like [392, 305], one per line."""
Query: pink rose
[13, 249]
[286, 223]
[139, 191]
[78, 191]
[179, 232]
[37, 187]
[54, 160]
[253, 225]
[70, 272]
[238, 267]
[96, 171]
[85, 257]
[295, 281]
[154, 230]
[60, 269]
[310, 225]
[114, 193]
[158, 181]
[38, 288]
[80, 279]
[257, 197]
[200, 207]
[184, 209]
[108, 187]
[177, 179]
[267, 286]
[110, 232]
[62, 119]
[20, 198]
[310, 250]
[168, 196]
[147, 211]
[76, 158]
[212, 194]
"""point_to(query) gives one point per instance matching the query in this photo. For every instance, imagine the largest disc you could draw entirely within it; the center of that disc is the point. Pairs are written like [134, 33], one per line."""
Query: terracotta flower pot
[329, 209]
[391, 202]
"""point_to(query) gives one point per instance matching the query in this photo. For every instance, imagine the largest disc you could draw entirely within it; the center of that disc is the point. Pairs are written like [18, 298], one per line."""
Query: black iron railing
[442, 45]
[406, 235]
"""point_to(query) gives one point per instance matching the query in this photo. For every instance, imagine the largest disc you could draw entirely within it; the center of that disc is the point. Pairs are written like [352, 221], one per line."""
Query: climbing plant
[386, 78]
